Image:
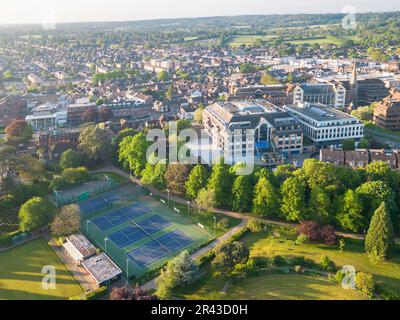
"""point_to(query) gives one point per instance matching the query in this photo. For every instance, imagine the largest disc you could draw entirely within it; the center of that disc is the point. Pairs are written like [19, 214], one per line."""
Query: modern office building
[387, 112]
[325, 125]
[330, 94]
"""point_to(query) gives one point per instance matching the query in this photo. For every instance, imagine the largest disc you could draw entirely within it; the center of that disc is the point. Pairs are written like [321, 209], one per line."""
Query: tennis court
[138, 232]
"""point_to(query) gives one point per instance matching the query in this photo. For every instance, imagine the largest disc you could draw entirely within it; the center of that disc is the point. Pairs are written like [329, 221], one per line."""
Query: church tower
[354, 86]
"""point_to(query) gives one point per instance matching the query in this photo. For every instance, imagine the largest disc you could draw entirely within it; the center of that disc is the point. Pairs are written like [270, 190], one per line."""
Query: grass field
[322, 40]
[21, 274]
[247, 40]
[291, 286]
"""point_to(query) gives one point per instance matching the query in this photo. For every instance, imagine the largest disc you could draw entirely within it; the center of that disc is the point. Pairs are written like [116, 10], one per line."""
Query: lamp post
[168, 195]
[105, 245]
[127, 271]
[87, 227]
[188, 203]
[215, 224]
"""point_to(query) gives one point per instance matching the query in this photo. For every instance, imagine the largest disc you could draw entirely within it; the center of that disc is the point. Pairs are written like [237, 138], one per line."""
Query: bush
[70, 177]
[260, 262]
[302, 239]
[255, 226]
[96, 294]
[339, 276]
[364, 282]
[387, 292]
[326, 264]
[318, 233]
[278, 261]
[7, 201]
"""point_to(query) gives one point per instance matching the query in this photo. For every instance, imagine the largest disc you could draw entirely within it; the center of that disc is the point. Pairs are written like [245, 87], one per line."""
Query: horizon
[63, 12]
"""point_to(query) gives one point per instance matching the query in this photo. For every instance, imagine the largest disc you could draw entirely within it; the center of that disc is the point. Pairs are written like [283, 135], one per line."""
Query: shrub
[387, 292]
[230, 254]
[364, 282]
[318, 233]
[223, 224]
[260, 262]
[339, 276]
[278, 261]
[302, 239]
[96, 294]
[326, 264]
[7, 201]
[255, 226]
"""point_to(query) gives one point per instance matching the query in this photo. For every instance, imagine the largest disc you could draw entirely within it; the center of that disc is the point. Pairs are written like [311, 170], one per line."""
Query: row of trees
[318, 191]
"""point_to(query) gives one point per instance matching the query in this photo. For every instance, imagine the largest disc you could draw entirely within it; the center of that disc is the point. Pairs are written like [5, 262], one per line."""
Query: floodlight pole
[168, 195]
[215, 224]
[188, 203]
[105, 245]
[87, 227]
[127, 271]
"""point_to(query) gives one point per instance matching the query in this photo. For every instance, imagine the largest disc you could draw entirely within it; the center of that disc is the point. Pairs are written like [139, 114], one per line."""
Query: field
[292, 286]
[137, 231]
[322, 40]
[21, 274]
[247, 40]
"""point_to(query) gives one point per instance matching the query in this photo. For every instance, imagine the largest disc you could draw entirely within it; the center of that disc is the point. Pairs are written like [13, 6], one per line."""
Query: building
[330, 94]
[275, 94]
[102, 269]
[75, 111]
[55, 142]
[332, 156]
[186, 112]
[386, 156]
[357, 158]
[247, 128]
[325, 125]
[12, 108]
[78, 248]
[139, 98]
[129, 110]
[47, 116]
[387, 112]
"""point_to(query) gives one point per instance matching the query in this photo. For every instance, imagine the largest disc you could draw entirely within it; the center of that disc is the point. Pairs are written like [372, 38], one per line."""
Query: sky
[39, 11]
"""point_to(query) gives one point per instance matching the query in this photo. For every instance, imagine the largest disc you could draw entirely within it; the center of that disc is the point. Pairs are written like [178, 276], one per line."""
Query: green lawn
[354, 254]
[21, 274]
[291, 286]
[247, 40]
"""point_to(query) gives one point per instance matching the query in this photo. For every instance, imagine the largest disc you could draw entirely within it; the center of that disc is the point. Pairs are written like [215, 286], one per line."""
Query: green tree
[197, 180]
[350, 215]
[70, 159]
[132, 153]
[155, 175]
[242, 193]
[95, 142]
[205, 199]
[30, 168]
[179, 272]
[35, 214]
[221, 183]
[268, 79]
[349, 144]
[230, 254]
[380, 236]
[293, 199]
[266, 199]
[198, 115]
[320, 206]
[378, 170]
[163, 76]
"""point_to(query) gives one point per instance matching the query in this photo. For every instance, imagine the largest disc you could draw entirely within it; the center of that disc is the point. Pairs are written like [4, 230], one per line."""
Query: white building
[330, 94]
[47, 116]
[325, 125]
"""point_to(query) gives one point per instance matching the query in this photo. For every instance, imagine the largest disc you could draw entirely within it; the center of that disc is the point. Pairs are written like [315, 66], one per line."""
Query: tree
[348, 144]
[20, 130]
[242, 192]
[95, 142]
[155, 175]
[230, 254]
[378, 170]
[293, 199]
[266, 199]
[70, 159]
[221, 183]
[104, 114]
[35, 214]
[30, 168]
[380, 236]
[196, 181]
[128, 293]
[205, 199]
[176, 177]
[132, 153]
[163, 76]
[268, 79]
[364, 282]
[198, 115]
[67, 221]
[7, 158]
[247, 68]
[179, 272]
[350, 215]
[320, 205]
[170, 92]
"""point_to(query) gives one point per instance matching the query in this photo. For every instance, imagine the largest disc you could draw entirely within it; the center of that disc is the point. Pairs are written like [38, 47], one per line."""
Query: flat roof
[320, 112]
[81, 244]
[102, 268]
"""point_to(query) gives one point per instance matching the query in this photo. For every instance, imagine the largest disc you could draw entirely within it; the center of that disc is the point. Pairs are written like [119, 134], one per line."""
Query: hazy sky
[36, 11]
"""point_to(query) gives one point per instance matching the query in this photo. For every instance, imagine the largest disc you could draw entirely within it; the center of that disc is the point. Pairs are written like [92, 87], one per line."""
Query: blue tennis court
[135, 210]
[93, 205]
[127, 236]
[175, 240]
[109, 220]
[148, 254]
[153, 224]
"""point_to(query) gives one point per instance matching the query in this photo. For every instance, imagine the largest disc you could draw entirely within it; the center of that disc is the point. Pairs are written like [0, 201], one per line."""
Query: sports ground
[138, 232]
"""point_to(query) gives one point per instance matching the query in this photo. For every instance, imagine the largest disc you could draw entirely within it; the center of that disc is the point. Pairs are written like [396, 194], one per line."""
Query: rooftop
[81, 244]
[101, 268]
